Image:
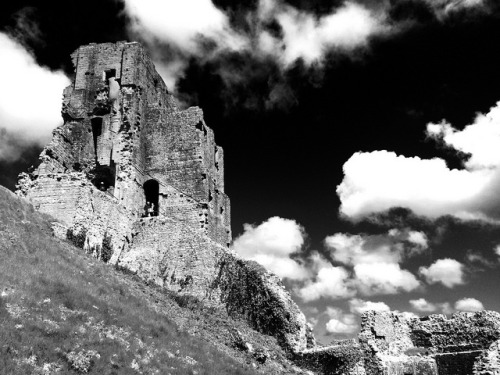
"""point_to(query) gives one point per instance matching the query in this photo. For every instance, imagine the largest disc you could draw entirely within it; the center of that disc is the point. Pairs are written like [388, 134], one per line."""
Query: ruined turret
[139, 183]
[124, 133]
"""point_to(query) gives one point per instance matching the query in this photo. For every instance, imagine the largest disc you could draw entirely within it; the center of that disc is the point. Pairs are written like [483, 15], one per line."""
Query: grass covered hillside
[64, 312]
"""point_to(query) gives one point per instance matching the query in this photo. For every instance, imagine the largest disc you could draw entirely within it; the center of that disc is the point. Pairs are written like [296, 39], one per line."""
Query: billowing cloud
[384, 278]
[379, 180]
[448, 272]
[391, 247]
[479, 140]
[181, 23]
[340, 322]
[359, 306]
[422, 305]
[328, 282]
[375, 259]
[307, 36]
[30, 99]
[197, 28]
[469, 304]
[271, 244]
[267, 32]
[418, 238]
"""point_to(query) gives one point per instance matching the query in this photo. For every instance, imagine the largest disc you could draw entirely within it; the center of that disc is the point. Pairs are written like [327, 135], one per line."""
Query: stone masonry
[139, 183]
[463, 344]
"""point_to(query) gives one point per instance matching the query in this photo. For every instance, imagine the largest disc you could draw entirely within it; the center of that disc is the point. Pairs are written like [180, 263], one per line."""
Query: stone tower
[124, 134]
[139, 183]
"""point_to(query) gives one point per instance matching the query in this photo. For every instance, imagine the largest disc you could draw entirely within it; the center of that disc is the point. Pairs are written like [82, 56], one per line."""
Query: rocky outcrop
[267, 305]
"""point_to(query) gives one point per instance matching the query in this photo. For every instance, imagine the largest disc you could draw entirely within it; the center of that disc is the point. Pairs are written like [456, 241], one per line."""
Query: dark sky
[288, 130]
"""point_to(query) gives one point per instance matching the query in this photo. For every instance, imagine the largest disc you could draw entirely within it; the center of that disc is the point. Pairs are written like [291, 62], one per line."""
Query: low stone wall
[464, 344]
[343, 359]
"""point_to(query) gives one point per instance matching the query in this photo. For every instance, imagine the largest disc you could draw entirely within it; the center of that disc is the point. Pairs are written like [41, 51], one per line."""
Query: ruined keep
[124, 133]
[139, 183]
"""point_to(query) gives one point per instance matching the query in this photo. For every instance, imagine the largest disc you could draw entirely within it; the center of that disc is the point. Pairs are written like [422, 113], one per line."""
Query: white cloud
[422, 305]
[448, 272]
[30, 99]
[370, 262]
[188, 25]
[391, 247]
[359, 306]
[480, 140]
[181, 23]
[469, 304]
[329, 282]
[408, 315]
[341, 323]
[497, 250]
[418, 238]
[383, 278]
[271, 244]
[308, 37]
[355, 249]
[375, 259]
[376, 181]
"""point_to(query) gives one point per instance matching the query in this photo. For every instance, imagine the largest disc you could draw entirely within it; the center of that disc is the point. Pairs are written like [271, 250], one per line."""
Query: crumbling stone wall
[184, 155]
[166, 252]
[345, 358]
[249, 291]
[396, 344]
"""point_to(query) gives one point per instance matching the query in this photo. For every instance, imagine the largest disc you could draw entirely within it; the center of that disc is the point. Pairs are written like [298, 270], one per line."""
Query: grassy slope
[63, 312]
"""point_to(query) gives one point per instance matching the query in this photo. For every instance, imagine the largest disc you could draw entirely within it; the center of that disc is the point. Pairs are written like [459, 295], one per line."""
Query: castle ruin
[139, 183]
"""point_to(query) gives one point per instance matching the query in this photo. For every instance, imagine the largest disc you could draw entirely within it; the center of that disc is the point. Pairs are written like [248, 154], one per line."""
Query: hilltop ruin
[139, 183]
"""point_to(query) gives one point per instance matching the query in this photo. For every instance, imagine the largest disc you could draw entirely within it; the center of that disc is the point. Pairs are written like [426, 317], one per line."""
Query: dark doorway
[109, 74]
[104, 177]
[152, 193]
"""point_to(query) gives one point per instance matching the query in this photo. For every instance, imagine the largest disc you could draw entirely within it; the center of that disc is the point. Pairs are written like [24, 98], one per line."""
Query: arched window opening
[151, 193]
[104, 178]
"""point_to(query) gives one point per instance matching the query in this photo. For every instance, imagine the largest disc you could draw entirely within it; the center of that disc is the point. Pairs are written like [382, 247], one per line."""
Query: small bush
[77, 239]
[106, 250]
